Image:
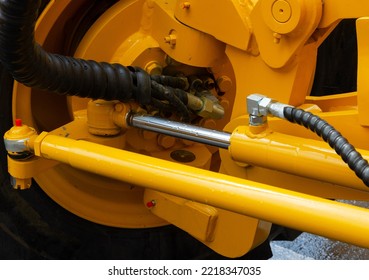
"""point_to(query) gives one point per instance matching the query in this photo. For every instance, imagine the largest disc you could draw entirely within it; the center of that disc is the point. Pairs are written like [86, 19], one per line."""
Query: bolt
[195, 83]
[277, 37]
[224, 83]
[186, 5]
[153, 68]
[209, 83]
[171, 39]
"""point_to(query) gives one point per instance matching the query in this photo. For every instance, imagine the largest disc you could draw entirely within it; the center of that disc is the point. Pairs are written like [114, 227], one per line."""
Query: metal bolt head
[224, 83]
[186, 5]
[153, 68]
[277, 38]
[171, 39]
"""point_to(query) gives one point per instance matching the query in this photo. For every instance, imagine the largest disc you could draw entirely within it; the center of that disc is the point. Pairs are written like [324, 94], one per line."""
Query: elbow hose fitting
[329, 134]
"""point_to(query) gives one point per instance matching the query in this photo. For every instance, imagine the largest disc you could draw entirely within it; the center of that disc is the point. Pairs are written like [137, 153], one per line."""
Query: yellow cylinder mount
[292, 209]
[294, 155]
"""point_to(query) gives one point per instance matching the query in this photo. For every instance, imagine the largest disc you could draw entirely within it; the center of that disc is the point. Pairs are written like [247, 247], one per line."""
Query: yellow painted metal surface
[173, 37]
[262, 46]
[337, 10]
[234, 13]
[282, 27]
[198, 219]
[304, 212]
[345, 121]
[228, 233]
[294, 155]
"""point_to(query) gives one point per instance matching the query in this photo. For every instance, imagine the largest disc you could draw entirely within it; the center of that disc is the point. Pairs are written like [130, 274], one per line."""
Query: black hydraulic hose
[30, 65]
[342, 147]
[177, 101]
[174, 82]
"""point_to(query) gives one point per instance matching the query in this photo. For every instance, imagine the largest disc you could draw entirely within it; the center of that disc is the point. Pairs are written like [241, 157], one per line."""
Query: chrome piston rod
[202, 135]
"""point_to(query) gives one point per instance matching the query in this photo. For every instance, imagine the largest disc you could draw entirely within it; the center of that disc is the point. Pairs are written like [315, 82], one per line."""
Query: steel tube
[292, 209]
[202, 135]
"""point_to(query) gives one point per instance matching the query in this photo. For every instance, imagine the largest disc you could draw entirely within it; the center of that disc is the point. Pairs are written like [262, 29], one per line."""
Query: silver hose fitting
[260, 106]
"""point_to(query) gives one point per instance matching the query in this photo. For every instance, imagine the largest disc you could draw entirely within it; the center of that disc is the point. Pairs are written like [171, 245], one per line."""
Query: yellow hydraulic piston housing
[165, 115]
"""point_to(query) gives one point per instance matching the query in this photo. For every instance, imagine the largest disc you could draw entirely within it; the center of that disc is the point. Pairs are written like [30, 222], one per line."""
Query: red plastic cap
[151, 204]
[18, 122]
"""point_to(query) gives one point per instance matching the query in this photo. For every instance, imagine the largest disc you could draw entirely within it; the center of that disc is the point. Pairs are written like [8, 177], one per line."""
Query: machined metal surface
[202, 135]
[259, 105]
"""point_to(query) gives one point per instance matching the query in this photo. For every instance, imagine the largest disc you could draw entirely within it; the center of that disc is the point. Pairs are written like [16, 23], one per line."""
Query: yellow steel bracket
[282, 27]
[183, 44]
[226, 20]
[225, 232]
[337, 10]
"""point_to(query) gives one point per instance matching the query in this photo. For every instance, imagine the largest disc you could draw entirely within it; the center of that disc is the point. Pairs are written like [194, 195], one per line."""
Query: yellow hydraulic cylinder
[294, 155]
[292, 209]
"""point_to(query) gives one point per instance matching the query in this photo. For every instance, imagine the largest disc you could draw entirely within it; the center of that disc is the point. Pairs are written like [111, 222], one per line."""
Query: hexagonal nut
[207, 109]
[253, 103]
[263, 105]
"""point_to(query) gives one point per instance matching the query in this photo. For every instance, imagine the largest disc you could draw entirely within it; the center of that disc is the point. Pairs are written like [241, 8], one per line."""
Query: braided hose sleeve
[329, 134]
[32, 66]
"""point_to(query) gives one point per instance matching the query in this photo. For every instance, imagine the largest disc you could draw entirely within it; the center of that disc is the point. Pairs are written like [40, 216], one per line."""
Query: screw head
[186, 5]
[171, 39]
